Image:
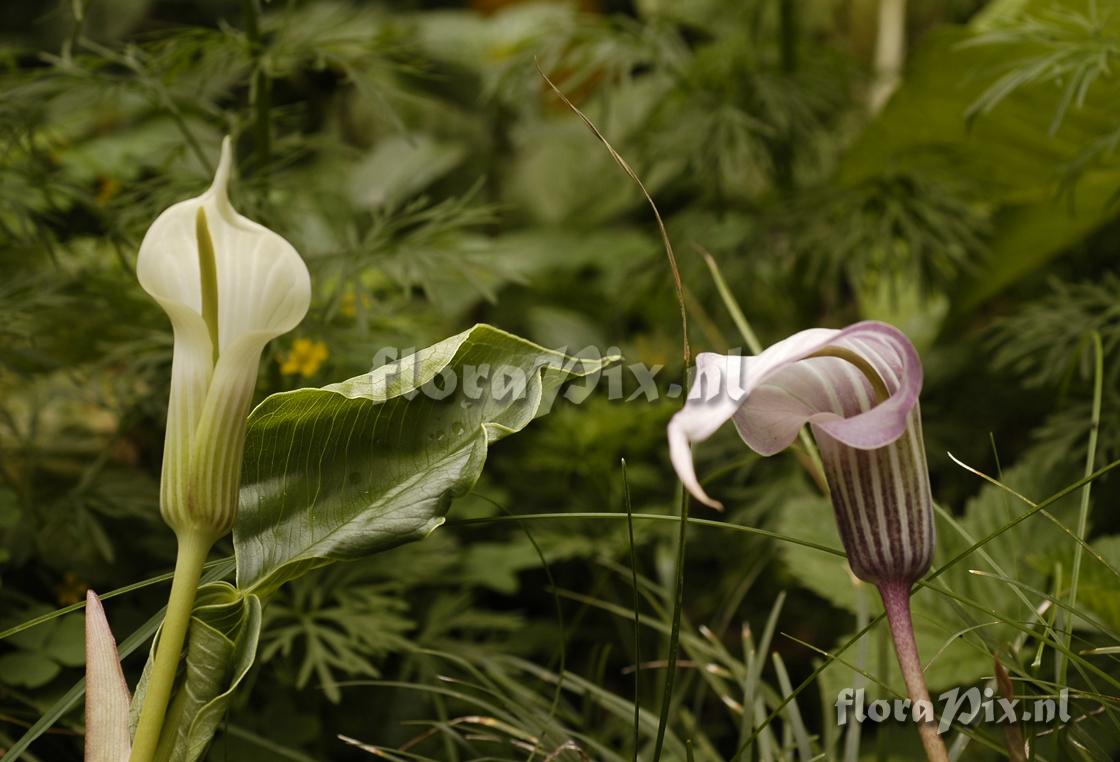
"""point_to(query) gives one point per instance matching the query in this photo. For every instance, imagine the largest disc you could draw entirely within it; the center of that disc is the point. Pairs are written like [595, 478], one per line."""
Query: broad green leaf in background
[1100, 590]
[358, 467]
[43, 651]
[1010, 154]
[221, 647]
[810, 517]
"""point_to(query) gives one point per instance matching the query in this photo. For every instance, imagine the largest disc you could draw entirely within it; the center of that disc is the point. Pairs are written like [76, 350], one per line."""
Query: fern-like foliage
[906, 225]
[1047, 340]
[335, 624]
[1068, 49]
[1072, 52]
[1047, 345]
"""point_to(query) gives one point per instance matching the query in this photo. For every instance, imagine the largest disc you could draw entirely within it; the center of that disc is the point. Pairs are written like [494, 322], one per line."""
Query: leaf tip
[107, 696]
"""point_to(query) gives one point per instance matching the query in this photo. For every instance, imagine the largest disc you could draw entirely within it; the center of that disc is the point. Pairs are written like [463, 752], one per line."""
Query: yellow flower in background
[349, 305]
[71, 589]
[305, 358]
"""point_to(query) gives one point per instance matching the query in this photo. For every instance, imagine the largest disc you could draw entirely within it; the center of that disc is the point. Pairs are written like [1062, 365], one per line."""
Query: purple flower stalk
[858, 390]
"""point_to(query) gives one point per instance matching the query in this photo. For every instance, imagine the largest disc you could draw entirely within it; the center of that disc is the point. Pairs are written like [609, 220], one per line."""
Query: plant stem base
[896, 602]
[193, 550]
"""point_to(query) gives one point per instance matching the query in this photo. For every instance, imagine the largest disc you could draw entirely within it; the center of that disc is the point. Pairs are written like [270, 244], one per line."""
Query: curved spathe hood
[223, 280]
[858, 390]
[799, 380]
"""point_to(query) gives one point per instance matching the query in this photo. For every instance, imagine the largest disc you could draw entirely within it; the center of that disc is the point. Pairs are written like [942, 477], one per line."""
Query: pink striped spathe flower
[858, 390]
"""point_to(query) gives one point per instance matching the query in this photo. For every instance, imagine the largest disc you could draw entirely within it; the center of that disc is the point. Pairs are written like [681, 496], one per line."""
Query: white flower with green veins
[229, 285]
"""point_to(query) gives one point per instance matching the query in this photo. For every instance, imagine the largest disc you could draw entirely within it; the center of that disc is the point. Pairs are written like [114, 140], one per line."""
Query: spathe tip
[225, 167]
[703, 497]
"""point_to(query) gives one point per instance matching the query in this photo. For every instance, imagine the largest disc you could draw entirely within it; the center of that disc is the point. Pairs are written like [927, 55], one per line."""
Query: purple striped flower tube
[857, 388]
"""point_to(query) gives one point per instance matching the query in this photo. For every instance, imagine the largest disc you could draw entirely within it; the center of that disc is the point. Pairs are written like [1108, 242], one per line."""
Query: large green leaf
[1009, 153]
[221, 647]
[357, 467]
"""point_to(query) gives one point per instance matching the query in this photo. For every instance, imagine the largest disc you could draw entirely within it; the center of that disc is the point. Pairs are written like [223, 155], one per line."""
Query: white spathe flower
[229, 286]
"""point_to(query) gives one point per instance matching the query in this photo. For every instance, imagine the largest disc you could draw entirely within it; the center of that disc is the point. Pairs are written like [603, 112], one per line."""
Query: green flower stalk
[858, 390]
[229, 286]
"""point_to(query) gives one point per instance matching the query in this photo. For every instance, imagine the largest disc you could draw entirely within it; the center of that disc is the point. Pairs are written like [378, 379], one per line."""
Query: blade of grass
[487, 684]
[1079, 540]
[766, 740]
[562, 651]
[793, 712]
[756, 660]
[956, 525]
[382, 752]
[651, 517]
[674, 632]
[615, 705]
[749, 656]
[516, 694]
[863, 653]
[1067, 609]
[704, 653]
[1037, 663]
[1035, 508]
[1083, 513]
[1057, 645]
[729, 301]
[637, 613]
[668, 244]
[674, 646]
[280, 751]
[44, 618]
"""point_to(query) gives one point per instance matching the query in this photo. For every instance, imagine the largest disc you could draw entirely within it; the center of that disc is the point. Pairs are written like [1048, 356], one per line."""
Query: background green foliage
[414, 156]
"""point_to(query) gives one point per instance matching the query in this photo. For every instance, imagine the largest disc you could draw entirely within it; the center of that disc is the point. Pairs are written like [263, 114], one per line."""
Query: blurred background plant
[414, 156]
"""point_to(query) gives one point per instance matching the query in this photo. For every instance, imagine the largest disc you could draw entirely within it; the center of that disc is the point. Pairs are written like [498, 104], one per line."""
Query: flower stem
[193, 549]
[896, 601]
